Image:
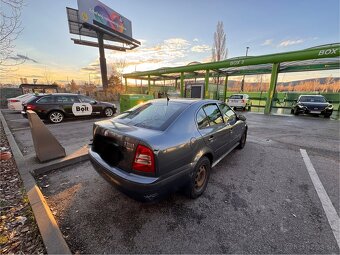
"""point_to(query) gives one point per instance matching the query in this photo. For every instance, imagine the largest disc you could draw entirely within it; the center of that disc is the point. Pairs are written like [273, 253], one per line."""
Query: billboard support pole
[102, 60]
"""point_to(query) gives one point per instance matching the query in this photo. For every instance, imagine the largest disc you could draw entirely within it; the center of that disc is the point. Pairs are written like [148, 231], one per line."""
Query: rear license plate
[315, 112]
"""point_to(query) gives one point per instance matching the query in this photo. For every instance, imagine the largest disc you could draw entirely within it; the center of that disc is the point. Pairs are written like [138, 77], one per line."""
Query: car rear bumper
[139, 187]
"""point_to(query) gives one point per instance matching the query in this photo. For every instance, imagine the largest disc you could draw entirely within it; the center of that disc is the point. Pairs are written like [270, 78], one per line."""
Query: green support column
[206, 84]
[272, 88]
[225, 88]
[176, 84]
[149, 85]
[126, 85]
[182, 84]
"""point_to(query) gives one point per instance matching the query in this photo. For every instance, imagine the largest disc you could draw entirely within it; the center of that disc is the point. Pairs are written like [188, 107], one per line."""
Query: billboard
[96, 13]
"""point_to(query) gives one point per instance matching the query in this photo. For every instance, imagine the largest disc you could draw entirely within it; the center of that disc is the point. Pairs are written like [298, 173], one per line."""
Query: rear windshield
[152, 115]
[236, 97]
[312, 99]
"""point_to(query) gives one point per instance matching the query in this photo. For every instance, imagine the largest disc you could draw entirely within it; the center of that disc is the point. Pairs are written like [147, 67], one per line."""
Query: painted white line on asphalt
[331, 214]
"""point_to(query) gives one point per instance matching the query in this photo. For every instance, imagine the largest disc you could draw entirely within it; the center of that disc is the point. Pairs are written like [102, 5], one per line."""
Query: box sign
[92, 11]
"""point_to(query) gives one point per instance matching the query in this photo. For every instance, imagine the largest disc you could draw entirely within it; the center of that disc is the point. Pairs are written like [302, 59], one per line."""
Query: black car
[56, 107]
[312, 104]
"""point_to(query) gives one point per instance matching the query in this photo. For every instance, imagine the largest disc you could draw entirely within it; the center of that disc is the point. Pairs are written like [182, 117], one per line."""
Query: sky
[172, 33]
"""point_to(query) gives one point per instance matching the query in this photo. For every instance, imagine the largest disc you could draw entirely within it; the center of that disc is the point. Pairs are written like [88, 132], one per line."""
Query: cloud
[267, 42]
[167, 53]
[22, 57]
[201, 48]
[195, 40]
[290, 42]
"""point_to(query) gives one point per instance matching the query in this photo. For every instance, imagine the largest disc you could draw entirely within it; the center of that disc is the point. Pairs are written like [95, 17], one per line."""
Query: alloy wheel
[56, 117]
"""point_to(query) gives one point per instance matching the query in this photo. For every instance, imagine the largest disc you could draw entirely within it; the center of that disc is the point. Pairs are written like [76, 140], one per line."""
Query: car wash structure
[325, 57]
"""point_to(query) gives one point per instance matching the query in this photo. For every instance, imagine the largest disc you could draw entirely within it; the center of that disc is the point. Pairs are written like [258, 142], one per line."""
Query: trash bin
[128, 101]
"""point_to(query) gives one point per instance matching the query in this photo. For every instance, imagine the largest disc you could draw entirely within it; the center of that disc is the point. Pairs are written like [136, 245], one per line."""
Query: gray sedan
[163, 145]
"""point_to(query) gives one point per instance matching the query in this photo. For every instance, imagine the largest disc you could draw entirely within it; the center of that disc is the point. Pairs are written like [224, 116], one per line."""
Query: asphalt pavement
[259, 200]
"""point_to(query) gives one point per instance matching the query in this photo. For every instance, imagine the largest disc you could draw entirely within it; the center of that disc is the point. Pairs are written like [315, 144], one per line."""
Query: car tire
[327, 116]
[199, 179]
[296, 112]
[108, 112]
[292, 111]
[55, 117]
[242, 140]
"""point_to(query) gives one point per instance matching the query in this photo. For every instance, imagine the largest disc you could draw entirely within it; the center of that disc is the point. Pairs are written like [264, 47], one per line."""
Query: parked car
[239, 101]
[15, 103]
[163, 145]
[56, 107]
[312, 104]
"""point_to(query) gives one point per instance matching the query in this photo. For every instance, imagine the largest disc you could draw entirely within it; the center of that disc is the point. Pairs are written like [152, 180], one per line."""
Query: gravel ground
[19, 233]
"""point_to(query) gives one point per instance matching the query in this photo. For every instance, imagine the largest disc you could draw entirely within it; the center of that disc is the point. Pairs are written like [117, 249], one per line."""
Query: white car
[239, 101]
[15, 103]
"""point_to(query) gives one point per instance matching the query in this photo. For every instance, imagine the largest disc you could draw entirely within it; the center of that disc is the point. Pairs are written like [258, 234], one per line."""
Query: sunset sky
[172, 33]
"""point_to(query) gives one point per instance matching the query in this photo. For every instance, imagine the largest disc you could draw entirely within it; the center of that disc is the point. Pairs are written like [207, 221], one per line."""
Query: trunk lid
[116, 143]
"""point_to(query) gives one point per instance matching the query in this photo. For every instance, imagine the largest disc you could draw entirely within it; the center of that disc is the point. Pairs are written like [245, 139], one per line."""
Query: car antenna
[167, 99]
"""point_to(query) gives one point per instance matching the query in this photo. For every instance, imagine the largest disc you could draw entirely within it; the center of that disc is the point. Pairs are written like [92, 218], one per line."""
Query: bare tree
[118, 67]
[10, 28]
[219, 49]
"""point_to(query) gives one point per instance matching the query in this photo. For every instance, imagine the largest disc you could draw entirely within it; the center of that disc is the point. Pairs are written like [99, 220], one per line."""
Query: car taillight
[144, 160]
[243, 100]
[30, 107]
[13, 100]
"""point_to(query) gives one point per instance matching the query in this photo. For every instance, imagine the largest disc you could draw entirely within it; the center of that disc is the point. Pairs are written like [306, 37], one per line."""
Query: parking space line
[331, 214]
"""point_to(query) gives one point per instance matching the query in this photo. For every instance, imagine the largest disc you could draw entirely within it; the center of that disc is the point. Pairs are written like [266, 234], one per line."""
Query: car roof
[311, 96]
[189, 101]
[59, 94]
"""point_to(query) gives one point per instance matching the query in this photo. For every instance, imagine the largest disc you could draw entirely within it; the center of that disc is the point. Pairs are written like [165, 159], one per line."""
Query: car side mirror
[93, 102]
[241, 117]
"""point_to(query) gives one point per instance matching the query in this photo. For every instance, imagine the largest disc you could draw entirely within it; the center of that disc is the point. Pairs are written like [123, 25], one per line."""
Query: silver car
[163, 145]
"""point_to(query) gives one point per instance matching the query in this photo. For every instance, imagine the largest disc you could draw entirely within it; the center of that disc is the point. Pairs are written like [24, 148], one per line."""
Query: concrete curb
[56, 165]
[48, 227]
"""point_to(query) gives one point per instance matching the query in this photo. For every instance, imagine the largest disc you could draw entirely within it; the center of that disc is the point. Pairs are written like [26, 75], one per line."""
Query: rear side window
[45, 100]
[202, 119]
[214, 114]
[157, 116]
[67, 99]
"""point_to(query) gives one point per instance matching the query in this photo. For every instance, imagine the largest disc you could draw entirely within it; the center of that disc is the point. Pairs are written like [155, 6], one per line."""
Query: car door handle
[211, 138]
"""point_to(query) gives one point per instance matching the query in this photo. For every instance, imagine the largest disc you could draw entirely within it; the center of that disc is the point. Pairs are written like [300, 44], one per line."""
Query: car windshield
[236, 97]
[30, 99]
[312, 99]
[152, 115]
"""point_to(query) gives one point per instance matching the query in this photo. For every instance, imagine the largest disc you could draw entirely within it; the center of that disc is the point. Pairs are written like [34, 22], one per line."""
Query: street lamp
[242, 84]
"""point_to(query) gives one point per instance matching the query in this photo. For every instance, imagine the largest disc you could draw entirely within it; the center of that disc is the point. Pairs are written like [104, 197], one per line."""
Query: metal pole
[149, 85]
[242, 84]
[225, 88]
[126, 84]
[272, 88]
[102, 60]
[182, 84]
[206, 84]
